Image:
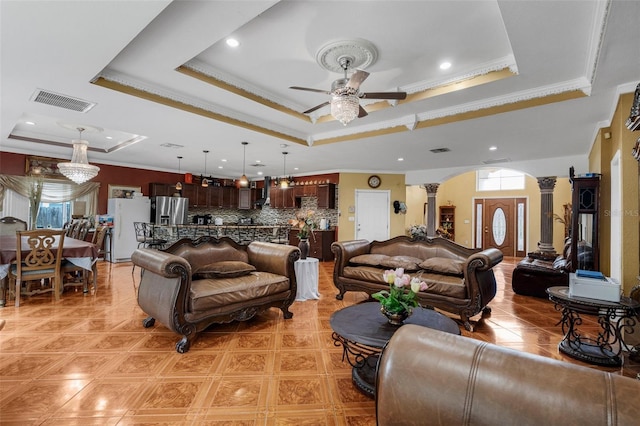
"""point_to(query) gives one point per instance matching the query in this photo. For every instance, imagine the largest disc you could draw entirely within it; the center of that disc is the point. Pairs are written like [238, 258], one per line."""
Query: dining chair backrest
[41, 256]
[9, 225]
[81, 229]
[98, 239]
[141, 231]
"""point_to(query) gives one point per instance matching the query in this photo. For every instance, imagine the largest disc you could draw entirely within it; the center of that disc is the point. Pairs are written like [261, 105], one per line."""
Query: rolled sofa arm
[165, 283]
[275, 258]
[465, 381]
[345, 250]
[485, 259]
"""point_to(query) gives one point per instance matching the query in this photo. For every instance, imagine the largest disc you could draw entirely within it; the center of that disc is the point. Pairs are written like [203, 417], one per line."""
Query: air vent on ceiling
[61, 101]
[257, 165]
[171, 145]
[497, 160]
[439, 150]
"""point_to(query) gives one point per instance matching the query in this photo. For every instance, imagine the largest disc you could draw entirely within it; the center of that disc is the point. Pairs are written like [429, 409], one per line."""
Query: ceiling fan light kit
[345, 93]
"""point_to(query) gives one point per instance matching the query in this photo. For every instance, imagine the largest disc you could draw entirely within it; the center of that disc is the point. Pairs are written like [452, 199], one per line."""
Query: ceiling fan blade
[384, 95]
[357, 78]
[362, 112]
[316, 107]
[310, 90]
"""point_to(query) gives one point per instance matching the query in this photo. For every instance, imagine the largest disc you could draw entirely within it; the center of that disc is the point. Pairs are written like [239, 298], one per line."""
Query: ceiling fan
[345, 94]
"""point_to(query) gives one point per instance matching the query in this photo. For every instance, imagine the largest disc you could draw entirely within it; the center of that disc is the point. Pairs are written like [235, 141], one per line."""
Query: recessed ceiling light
[295, 168]
[258, 161]
[224, 160]
[445, 65]
[219, 167]
[30, 123]
[232, 42]
[260, 173]
[109, 137]
[493, 148]
[400, 159]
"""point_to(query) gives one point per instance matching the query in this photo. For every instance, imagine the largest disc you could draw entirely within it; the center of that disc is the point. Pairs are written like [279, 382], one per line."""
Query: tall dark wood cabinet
[320, 246]
[585, 231]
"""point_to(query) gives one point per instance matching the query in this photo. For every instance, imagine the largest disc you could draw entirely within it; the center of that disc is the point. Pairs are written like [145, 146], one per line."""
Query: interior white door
[616, 219]
[372, 215]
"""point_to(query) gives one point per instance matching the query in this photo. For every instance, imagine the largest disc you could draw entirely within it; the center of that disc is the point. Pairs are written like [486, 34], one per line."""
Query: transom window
[499, 180]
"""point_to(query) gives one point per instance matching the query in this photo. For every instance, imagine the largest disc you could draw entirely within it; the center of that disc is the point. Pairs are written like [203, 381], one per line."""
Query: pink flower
[417, 285]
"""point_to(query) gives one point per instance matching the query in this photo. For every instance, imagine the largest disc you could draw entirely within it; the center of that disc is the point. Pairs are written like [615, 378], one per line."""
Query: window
[53, 215]
[499, 180]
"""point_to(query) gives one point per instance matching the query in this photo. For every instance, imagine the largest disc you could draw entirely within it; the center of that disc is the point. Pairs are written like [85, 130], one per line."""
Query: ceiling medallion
[360, 53]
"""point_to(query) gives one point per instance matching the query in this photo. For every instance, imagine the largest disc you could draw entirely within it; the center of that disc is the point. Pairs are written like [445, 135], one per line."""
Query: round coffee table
[363, 331]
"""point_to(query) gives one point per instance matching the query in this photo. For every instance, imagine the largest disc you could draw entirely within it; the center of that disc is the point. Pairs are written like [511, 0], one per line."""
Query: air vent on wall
[497, 160]
[61, 101]
[439, 150]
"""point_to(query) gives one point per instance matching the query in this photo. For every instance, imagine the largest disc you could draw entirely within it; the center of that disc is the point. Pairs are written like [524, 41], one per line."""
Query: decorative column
[431, 188]
[546, 185]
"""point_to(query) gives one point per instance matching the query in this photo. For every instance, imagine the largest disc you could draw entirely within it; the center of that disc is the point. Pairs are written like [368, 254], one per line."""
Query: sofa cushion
[409, 263]
[443, 265]
[224, 269]
[368, 259]
[216, 295]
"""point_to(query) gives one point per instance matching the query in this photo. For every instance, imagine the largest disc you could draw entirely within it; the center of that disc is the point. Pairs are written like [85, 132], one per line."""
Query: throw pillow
[409, 263]
[443, 265]
[368, 259]
[224, 269]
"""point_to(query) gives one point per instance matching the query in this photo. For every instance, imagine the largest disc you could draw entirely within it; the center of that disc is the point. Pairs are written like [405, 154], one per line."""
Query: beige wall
[460, 191]
[600, 157]
[349, 182]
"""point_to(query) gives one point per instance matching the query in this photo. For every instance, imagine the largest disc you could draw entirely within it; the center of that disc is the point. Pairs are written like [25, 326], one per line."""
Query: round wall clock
[374, 181]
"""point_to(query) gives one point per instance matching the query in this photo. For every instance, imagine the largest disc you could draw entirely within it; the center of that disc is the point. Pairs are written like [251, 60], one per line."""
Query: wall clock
[374, 181]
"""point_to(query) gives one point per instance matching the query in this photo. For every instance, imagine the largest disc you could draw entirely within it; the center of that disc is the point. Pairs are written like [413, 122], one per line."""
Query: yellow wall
[600, 157]
[349, 182]
[461, 190]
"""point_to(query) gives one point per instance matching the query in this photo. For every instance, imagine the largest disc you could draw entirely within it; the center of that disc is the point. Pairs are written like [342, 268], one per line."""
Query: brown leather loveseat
[427, 377]
[196, 283]
[460, 280]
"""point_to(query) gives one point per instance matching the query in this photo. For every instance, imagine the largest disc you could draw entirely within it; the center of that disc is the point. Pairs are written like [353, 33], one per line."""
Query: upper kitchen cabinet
[161, 189]
[198, 195]
[326, 196]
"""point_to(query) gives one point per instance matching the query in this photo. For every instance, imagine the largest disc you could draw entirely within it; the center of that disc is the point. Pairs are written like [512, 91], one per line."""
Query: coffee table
[363, 331]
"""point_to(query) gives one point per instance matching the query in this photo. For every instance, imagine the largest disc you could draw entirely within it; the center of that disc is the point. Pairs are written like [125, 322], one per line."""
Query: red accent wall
[15, 164]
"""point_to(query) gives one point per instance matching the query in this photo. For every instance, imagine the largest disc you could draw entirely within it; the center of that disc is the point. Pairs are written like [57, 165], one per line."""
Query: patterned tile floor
[87, 360]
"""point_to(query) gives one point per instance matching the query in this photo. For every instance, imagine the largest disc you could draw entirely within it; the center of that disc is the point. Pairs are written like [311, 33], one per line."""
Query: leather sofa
[534, 274]
[195, 283]
[460, 280]
[427, 377]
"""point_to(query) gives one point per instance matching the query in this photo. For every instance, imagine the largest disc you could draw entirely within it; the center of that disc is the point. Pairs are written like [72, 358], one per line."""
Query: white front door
[372, 215]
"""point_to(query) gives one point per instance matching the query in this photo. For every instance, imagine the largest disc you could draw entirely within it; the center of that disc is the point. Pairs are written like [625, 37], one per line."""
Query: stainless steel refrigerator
[125, 211]
[169, 210]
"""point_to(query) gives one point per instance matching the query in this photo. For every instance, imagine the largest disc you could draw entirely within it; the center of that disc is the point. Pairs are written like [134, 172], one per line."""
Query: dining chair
[9, 225]
[40, 263]
[81, 229]
[280, 234]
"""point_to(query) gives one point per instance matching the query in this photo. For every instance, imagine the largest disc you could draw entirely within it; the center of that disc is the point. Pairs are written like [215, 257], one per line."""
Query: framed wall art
[122, 191]
[44, 166]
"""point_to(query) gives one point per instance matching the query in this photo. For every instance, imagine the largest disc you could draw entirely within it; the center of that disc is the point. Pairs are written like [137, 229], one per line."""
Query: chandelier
[244, 181]
[79, 170]
[345, 107]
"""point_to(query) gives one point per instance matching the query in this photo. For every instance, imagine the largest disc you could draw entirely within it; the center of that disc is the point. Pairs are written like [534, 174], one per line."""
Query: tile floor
[87, 360]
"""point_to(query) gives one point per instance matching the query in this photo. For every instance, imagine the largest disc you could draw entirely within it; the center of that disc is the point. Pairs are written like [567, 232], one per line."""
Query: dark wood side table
[613, 317]
[362, 331]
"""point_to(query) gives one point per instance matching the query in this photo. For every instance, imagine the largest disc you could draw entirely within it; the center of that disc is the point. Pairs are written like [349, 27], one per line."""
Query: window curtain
[53, 191]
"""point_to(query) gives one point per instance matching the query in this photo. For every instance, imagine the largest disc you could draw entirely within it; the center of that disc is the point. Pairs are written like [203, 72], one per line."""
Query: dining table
[81, 253]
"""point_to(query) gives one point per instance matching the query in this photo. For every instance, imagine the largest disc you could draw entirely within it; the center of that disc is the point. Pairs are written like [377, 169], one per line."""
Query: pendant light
[243, 180]
[79, 170]
[205, 182]
[179, 184]
[284, 182]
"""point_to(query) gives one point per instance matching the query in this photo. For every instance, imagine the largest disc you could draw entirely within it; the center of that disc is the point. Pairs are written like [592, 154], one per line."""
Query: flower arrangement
[418, 232]
[305, 223]
[396, 300]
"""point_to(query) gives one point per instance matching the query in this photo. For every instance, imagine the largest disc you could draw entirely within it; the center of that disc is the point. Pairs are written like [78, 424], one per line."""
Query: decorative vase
[395, 318]
[303, 245]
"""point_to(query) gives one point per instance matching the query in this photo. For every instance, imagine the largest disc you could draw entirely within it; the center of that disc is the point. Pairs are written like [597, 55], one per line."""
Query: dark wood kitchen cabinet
[247, 198]
[282, 198]
[326, 196]
[198, 195]
[161, 189]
